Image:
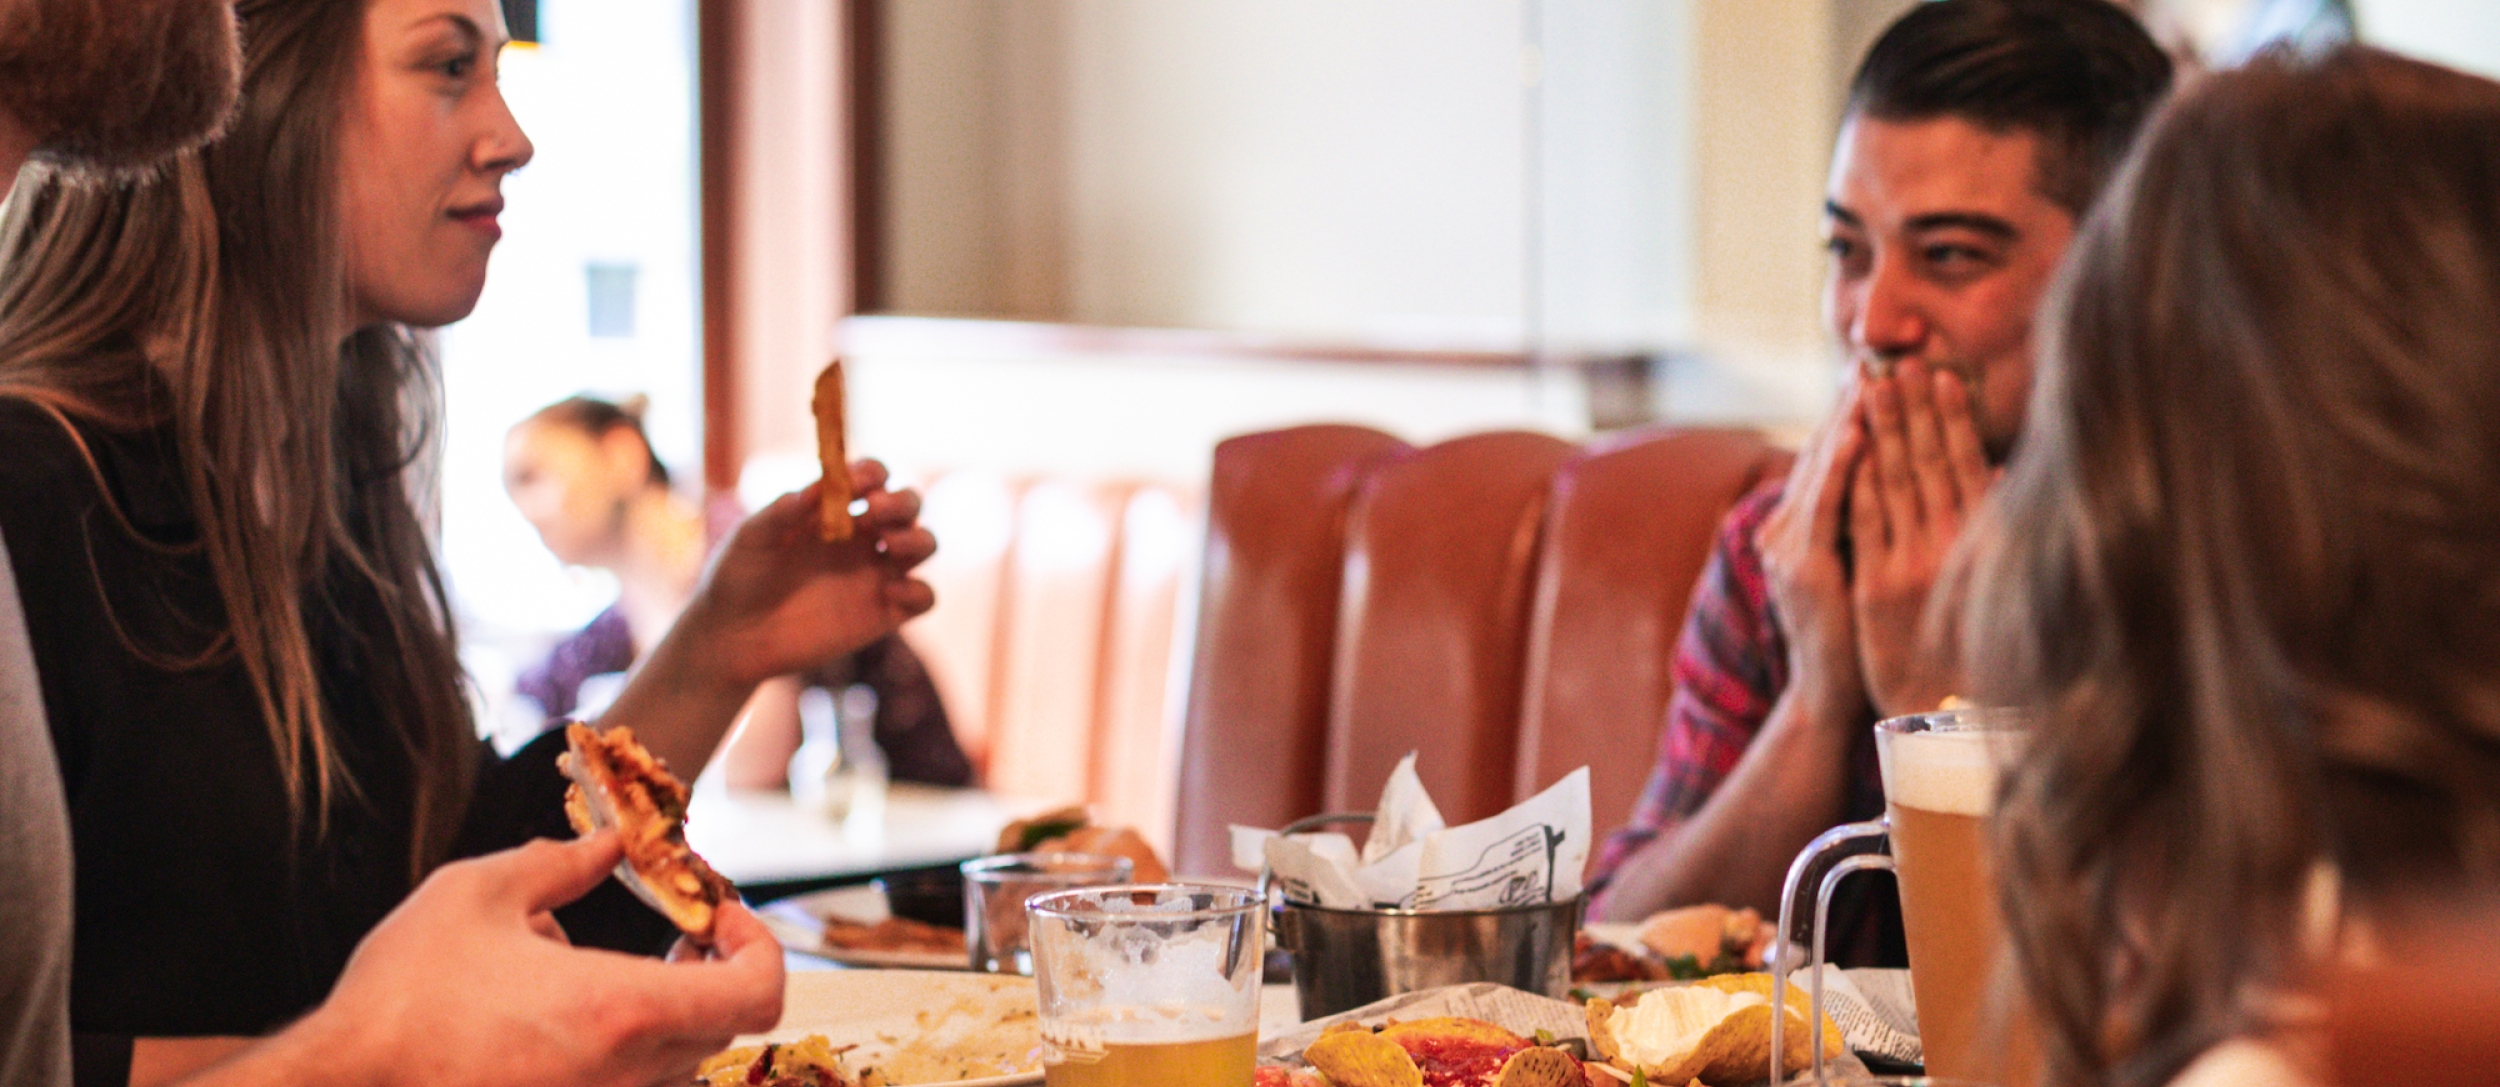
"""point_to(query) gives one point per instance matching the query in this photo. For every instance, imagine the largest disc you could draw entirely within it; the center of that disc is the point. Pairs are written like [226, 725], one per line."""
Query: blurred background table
[772, 848]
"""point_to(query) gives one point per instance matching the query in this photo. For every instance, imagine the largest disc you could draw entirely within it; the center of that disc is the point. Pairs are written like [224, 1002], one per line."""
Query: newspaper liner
[1525, 1013]
[1532, 854]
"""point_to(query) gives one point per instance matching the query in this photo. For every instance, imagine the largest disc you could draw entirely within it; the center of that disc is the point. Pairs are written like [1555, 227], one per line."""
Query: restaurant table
[1280, 1008]
[771, 847]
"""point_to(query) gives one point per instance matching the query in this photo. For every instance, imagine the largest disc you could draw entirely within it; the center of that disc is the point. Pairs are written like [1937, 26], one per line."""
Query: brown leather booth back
[1439, 564]
[1628, 525]
[1254, 741]
[1044, 711]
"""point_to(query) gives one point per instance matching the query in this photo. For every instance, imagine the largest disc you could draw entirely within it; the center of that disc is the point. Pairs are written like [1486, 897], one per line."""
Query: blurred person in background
[583, 473]
[2247, 569]
[210, 394]
[1977, 133]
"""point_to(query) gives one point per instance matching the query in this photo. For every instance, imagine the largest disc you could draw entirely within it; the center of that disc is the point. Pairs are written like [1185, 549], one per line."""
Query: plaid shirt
[1731, 663]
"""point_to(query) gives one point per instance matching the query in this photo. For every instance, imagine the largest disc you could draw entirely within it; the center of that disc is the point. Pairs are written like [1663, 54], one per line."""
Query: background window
[607, 95]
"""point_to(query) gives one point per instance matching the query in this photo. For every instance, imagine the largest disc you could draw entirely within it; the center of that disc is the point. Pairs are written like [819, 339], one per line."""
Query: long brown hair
[2247, 560]
[207, 297]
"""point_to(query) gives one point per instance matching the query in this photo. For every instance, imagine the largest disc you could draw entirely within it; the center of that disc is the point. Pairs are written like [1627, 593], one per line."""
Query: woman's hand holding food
[777, 599]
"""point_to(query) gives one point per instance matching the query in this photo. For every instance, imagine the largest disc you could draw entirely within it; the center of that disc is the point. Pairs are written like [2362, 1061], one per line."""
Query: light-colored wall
[789, 217]
[1551, 174]
[2460, 33]
[1302, 166]
[1614, 196]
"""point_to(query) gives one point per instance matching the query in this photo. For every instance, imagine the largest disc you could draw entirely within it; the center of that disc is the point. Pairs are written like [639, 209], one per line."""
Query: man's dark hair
[2082, 75]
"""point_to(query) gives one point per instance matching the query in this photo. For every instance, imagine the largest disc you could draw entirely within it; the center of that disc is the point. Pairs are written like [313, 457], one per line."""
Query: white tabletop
[762, 837]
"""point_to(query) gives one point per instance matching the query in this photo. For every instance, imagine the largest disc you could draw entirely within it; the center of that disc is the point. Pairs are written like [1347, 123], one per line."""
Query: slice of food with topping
[1708, 939]
[1270, 1075]
[1446, 1051]
[809, 1062]
[617, 784]
[1360, 1058]
[1540, 1066]
[1717, 1029]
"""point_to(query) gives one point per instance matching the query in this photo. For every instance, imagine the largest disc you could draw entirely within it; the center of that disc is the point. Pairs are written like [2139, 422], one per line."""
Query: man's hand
[469, 983]
[1909, 499]
[1809, 585]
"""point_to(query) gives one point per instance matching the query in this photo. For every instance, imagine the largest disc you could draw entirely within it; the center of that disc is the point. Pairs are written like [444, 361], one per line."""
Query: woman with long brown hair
[2247, 566]
[212, 399]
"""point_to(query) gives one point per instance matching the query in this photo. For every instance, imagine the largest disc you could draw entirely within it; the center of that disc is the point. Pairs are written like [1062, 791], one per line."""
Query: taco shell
[1717, 1029]
[1360, 1058]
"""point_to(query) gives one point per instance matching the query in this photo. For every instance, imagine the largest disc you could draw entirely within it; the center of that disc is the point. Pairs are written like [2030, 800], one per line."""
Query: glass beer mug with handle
[1940, 781]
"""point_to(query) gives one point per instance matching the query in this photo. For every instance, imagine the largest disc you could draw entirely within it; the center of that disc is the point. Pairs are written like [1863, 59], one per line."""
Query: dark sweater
[202, 907]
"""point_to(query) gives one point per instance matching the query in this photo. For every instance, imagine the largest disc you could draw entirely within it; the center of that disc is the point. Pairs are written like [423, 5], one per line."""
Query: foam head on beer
[1949, 768]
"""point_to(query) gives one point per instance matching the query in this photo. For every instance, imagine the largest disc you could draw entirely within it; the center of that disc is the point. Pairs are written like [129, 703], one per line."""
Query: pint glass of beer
[1940, 780]
[1149, 985]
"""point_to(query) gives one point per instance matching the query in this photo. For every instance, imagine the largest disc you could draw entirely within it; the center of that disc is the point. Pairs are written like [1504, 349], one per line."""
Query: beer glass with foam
[1940, 781]
[1149, 985]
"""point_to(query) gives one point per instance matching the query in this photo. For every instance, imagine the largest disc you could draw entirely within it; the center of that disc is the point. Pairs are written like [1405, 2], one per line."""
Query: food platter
[925, 1028]
[799, 924]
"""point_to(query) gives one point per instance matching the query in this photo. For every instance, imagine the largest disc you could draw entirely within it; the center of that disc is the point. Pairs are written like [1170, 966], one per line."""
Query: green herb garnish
[1038, 833]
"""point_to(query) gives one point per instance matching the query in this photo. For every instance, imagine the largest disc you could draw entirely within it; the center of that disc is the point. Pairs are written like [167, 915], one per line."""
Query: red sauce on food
[1458, 1062]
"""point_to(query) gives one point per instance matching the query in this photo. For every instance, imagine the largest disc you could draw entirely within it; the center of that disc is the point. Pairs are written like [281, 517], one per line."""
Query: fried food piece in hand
[618, 784]
[833, 504]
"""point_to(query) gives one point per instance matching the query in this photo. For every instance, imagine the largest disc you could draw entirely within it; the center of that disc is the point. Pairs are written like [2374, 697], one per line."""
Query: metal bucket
[1345, 959]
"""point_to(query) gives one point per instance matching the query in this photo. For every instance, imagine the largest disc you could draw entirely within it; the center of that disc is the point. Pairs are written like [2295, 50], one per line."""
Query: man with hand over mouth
[1977, 133]
[468, 982]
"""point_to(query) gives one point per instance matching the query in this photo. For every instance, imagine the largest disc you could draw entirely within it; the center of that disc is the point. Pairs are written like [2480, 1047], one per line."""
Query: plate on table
[920, 1028]
[799, 923]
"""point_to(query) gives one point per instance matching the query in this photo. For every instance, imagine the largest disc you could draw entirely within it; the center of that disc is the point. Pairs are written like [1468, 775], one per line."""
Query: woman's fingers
[910, 597]
[909, 547]
[868, 476]
[891, 509]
